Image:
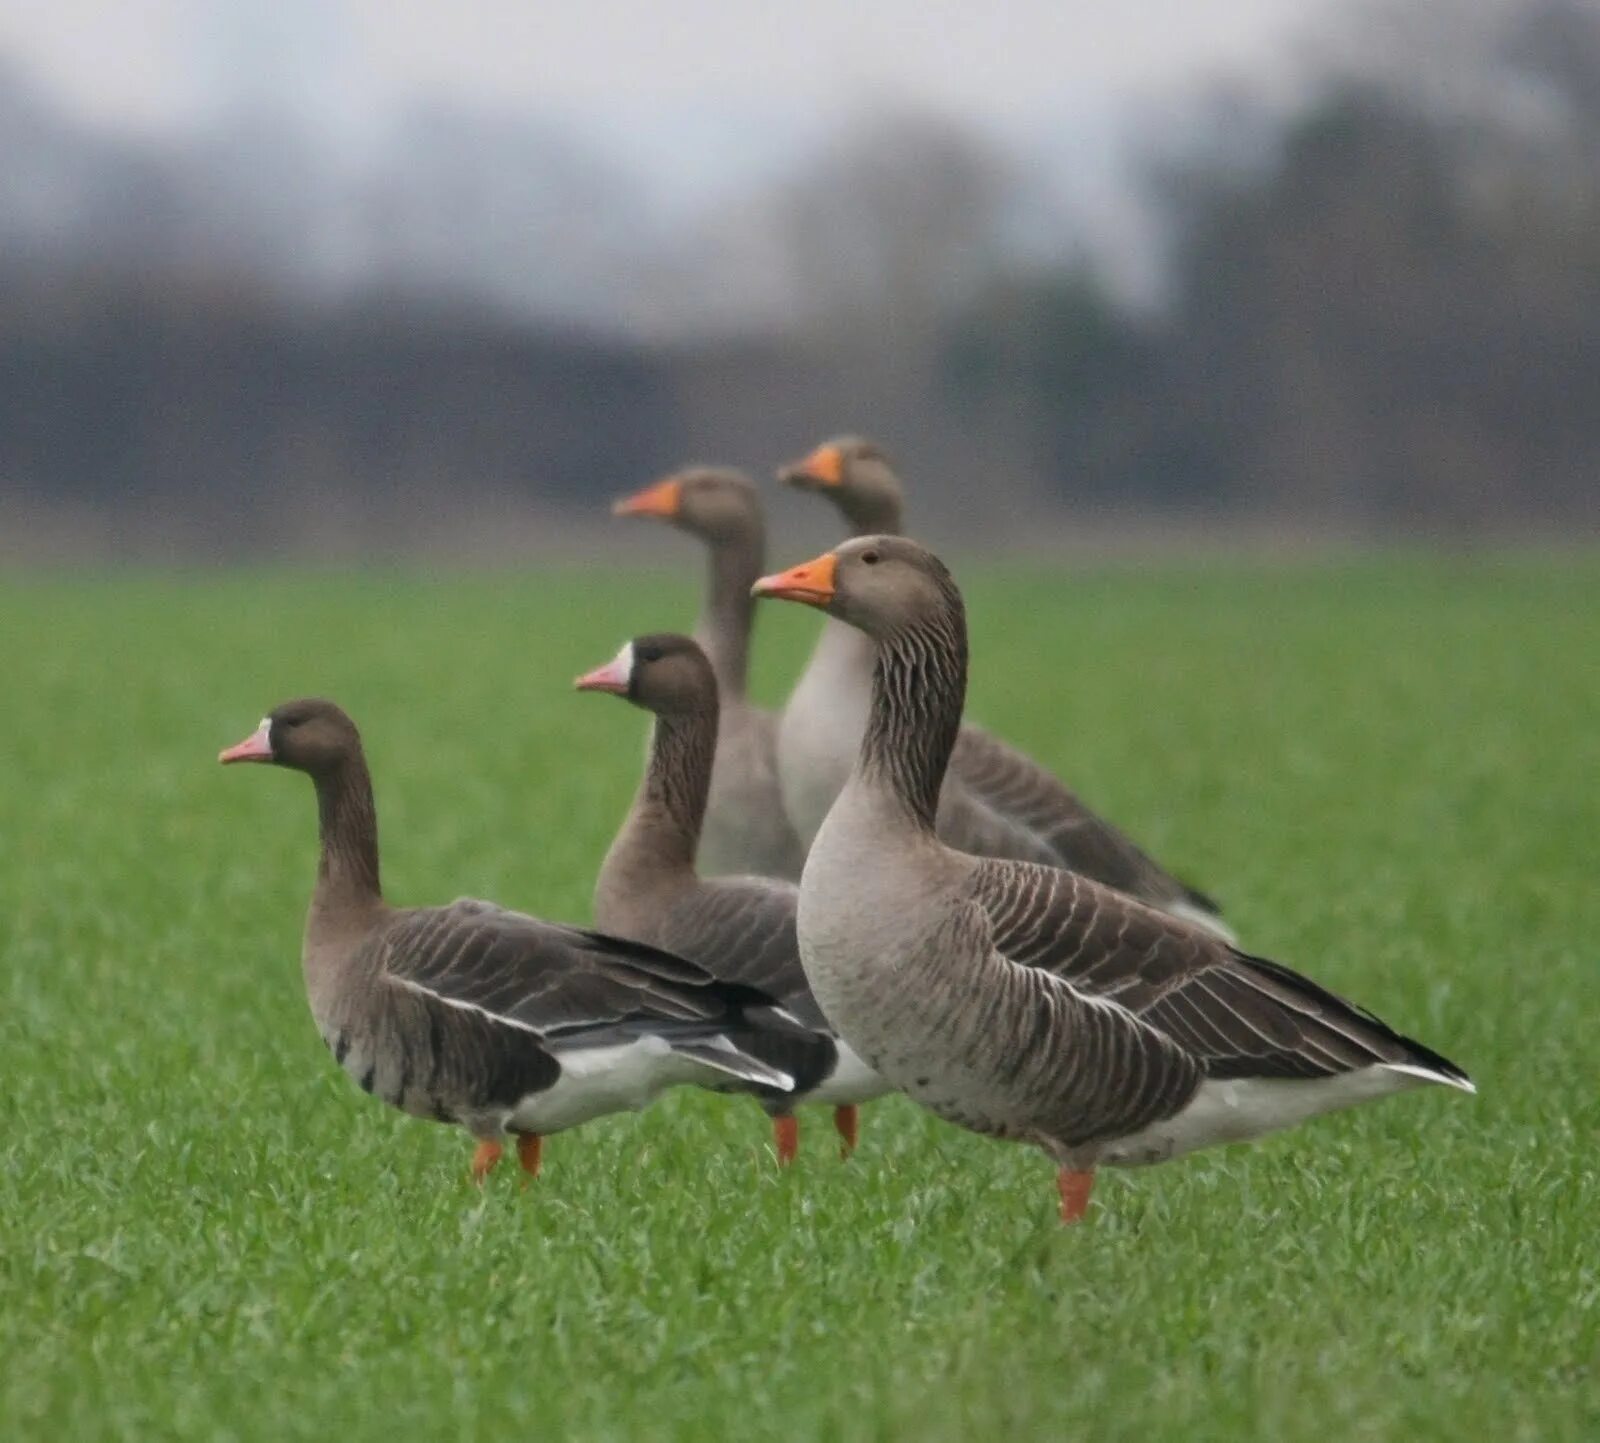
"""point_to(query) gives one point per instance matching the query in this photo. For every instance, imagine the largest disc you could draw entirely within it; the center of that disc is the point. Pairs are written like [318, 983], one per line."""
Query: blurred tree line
[1380, 311]
[1389, 316]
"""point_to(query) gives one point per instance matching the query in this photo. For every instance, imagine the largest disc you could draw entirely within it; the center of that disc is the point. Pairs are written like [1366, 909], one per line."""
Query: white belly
[1242, 1109]
[594, 1081]
[851, 1082]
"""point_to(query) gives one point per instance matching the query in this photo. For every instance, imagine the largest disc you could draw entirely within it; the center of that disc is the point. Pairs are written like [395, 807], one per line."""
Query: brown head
[712, 502]
[885, 585]
[857, 477]
[309, 735]
[901, 595]
[666, 674]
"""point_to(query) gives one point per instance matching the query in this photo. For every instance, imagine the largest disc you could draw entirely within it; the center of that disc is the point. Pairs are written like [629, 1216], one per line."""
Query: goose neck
[919, 684]
[662, 832]
[875, 515]
[734, 564]
[347, 868]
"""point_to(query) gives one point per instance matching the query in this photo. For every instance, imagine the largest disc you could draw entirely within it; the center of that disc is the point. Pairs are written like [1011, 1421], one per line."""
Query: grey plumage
[1030, 1002]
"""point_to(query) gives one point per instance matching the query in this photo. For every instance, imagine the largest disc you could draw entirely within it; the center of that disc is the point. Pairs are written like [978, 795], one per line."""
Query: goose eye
[648, 653]
[869, 558]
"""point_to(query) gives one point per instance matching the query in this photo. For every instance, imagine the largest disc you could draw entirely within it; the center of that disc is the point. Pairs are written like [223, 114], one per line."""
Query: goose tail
[722, 1055]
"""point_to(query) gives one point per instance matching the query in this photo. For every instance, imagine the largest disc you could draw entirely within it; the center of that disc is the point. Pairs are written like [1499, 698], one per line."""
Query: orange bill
[810, 583]
[663, 500]
[823, 467]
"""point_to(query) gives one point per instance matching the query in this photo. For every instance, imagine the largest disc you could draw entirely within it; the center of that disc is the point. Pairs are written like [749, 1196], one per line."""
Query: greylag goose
[1029, 1002]
[996, 801]
[740, 929]
[484, 1017]
[746, 830]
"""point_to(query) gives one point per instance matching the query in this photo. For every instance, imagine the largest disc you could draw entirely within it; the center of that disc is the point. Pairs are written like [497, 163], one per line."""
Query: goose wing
[569, 987]
[742, 929]
[1235, 1015]
[971, 823]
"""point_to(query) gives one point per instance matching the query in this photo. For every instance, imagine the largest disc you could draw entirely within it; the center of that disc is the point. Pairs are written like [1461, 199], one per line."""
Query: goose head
[857, 477]
[665, 673]
[712, 502]
[308, 735]
[884, 585]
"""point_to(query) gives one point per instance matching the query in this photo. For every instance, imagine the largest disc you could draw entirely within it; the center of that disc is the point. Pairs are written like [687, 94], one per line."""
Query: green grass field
[1389, 771]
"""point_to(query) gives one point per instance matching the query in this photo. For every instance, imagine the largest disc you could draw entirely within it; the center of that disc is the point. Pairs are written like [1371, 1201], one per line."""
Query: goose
[996, 802]
[487, 1018]
[746, 829]
[1029, 1002]
[741, 929]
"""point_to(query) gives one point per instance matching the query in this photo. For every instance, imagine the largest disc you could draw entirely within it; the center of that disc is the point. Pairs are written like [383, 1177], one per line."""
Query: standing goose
[996, 801]
[746, 828]
[1029, 1002]
[741, 929]
[476, 1015]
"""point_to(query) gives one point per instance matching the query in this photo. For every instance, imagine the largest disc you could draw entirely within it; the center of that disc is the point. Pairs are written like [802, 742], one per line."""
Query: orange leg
[1074, 1188]
[786, 1138]
[530, 1153]
[484, 1159]
[847, 1120]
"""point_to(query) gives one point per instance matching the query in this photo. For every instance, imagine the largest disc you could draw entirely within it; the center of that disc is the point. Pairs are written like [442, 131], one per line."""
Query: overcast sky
[695, 99]
[1002, 63]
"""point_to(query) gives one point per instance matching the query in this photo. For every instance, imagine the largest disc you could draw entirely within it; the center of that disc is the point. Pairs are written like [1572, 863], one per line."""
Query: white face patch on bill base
[615, 676]
[257, 747]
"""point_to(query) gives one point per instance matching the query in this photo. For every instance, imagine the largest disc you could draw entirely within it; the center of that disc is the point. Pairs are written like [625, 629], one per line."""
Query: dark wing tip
[661, 964]
[1426, 1058]
[673, 969]
[1416, 1054]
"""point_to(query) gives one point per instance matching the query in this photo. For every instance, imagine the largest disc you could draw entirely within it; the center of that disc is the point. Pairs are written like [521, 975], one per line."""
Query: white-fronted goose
[746, 829]
[741, 929]
[1028, 1002]
[996, 801]
[500, 1022]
